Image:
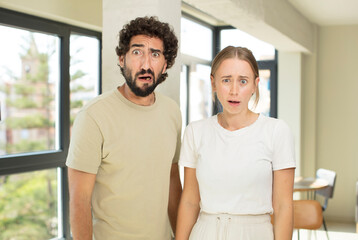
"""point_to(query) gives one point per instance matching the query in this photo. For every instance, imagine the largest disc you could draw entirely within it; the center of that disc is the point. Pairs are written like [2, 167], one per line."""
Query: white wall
[337, 114]
[289, 97]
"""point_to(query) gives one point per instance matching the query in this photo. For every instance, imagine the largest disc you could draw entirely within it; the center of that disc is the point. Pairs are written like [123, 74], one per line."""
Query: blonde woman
[239, 165]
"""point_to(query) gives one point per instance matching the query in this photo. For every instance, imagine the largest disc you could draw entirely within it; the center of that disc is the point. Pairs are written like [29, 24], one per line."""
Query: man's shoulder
[167, 102]
[98, 101]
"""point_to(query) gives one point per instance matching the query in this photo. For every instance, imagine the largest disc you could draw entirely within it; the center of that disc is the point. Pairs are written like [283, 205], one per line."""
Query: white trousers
[232, 227]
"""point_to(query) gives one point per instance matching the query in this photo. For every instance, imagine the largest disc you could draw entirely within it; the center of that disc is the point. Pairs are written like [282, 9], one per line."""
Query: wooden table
[309, 185]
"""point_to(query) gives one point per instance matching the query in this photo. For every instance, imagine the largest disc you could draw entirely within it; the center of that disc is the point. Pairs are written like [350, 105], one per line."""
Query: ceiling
[328, 12]
[320, 12]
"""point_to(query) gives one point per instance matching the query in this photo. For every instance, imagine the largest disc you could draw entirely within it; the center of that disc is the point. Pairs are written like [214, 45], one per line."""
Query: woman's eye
[243, 81]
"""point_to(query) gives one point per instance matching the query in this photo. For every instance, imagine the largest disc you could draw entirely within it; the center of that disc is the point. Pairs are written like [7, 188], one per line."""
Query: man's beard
[132, 83]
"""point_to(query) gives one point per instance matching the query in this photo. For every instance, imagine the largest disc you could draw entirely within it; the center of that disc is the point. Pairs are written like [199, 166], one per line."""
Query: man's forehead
[144, 40]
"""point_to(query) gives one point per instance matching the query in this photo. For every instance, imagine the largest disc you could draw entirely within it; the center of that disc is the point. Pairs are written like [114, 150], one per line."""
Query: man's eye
[226, 80]
[155, 54]
[136, 52]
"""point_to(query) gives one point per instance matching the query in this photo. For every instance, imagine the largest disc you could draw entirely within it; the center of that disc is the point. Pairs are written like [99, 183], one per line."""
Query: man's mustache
[143, 71]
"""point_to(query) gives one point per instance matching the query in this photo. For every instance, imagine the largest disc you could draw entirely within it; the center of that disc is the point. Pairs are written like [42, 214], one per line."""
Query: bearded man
[122, 161]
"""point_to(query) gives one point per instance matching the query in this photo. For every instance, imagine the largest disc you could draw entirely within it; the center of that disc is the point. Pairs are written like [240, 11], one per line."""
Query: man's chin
[143, 91]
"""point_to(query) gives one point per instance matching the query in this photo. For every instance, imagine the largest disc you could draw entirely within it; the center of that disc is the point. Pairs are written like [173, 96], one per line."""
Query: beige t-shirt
[131, 149]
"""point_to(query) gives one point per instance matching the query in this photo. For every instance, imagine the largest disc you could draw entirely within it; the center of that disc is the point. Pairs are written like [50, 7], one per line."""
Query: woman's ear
[213, 87]
[257, 80]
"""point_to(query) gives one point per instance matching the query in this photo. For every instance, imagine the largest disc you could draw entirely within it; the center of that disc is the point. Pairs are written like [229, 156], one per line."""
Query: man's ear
[121, 61]
[165, 67]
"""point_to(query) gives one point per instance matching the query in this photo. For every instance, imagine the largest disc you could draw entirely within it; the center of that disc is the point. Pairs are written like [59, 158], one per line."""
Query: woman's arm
[283, 203]
[189, 205]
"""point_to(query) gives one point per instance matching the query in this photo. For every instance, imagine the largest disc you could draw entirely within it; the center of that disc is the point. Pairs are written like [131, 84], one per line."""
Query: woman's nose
[234, 90]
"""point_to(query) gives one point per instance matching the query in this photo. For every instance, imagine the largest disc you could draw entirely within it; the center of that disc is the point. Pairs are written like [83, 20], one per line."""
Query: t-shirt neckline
[238, 131]
[136, 106]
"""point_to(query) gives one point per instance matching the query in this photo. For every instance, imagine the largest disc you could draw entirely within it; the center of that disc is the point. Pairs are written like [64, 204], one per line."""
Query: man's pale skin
[144, 53]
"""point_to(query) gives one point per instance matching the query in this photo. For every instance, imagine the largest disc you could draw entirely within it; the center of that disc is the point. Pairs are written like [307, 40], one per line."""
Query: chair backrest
[330, 177]
[307, 214]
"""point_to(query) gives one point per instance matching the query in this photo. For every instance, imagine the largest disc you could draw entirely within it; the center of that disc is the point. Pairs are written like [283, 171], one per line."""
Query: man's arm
[175, 190]
[81, 187]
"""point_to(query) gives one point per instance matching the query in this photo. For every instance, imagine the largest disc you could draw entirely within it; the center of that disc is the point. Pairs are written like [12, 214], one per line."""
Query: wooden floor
[336, 231]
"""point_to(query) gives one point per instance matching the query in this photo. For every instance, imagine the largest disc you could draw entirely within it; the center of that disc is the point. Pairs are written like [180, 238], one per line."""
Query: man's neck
[128, 94]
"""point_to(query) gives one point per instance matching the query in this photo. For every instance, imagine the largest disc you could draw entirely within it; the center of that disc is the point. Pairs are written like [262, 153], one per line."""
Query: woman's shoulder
[202, 123]
[272, 121]
[275, 125]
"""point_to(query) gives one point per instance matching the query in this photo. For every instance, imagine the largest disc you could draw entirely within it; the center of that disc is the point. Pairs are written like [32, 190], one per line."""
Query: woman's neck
[234, 122]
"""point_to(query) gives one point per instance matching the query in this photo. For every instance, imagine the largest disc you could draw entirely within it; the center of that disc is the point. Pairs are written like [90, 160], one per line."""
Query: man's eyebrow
[137, 45]
[142, 45]
[155, 50]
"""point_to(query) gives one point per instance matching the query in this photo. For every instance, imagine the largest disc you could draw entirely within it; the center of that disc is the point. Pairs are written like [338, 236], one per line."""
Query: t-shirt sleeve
[188, 154]
[283, 147]
[85, 151]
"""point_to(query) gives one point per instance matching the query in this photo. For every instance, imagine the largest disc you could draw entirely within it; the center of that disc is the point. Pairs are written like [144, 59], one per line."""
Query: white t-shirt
[234, 168]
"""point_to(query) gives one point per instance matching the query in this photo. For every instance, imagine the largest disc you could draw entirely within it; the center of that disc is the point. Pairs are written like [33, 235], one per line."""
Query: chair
[307, 214]
[326, 193]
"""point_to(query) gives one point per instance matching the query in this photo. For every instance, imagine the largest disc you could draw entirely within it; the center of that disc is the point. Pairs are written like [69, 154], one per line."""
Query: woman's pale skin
[234, 83]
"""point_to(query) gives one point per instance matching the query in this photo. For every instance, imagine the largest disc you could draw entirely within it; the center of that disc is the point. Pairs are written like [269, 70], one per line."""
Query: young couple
[124, 152]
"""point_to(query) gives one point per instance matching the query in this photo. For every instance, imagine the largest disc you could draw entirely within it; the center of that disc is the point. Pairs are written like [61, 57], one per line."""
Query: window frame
[191, 61]
[26, 162]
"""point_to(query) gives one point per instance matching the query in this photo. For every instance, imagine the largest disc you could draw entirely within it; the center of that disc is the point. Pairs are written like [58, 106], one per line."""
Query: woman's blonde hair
[242, 54]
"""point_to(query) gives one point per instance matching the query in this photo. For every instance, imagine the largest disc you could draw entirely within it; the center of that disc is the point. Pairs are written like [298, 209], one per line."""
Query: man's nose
[146, 61]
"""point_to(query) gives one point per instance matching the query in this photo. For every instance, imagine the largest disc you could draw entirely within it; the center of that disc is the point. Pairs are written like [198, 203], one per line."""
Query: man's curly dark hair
[152, 27]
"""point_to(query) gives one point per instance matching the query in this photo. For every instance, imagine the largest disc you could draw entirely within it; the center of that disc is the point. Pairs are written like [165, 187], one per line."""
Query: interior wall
[289, 97]
[337, 114]
[309, 112]
[87, 14]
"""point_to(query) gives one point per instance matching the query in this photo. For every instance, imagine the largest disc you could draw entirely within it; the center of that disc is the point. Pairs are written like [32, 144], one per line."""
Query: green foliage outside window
[28, 201]
[28, 206]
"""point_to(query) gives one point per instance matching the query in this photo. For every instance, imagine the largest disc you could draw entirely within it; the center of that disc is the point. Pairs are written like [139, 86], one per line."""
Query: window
[196, 52]
[48, 71]
[30, 87]
[196, 39]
